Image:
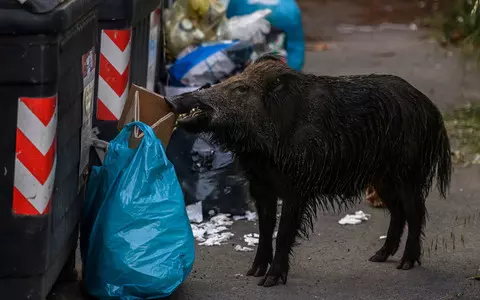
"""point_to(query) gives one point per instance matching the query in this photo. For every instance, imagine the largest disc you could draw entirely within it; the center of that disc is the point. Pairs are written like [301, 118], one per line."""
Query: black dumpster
[46, 86]
[128, 51]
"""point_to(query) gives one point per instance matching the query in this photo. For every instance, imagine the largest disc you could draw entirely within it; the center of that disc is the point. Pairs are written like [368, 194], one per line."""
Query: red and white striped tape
[115, 48]
[36, 155]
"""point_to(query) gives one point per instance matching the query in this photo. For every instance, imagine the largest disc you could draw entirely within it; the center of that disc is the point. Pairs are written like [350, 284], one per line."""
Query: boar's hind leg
[266, 204]
[415, 211]
[290, 222]
[394, 204]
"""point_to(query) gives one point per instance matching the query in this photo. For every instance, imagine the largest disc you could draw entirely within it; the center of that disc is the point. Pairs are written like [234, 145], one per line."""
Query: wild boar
[317, 142]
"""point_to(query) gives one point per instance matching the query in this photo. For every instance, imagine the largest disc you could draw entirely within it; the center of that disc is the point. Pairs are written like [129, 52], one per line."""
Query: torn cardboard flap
[150, 108]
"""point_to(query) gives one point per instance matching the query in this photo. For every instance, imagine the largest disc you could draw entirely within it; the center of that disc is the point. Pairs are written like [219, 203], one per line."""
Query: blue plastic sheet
[286, 16]
[136, 239]
[210, 63]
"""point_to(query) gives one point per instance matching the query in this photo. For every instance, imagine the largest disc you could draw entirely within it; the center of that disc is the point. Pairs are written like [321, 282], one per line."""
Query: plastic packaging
[285, 16]
[208, 174]
[190, 22]
[136, 239]
[209, 63]
[253, 27]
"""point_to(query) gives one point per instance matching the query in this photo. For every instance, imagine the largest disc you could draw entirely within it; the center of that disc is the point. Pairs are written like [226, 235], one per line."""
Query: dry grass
[463, 125]
[458, 23]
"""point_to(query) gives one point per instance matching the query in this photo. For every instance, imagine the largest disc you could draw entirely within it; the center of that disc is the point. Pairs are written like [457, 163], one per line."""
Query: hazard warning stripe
[115, 49]
[39, 132]
[36, 155]
[37, 194]
[114, 107]
[115, 80]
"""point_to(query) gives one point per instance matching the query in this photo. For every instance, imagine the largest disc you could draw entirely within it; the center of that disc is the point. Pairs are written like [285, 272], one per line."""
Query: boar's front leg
[266, 204]
[290, 222]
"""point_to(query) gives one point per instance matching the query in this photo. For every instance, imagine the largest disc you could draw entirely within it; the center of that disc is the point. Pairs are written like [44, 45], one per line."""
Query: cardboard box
[151, 109]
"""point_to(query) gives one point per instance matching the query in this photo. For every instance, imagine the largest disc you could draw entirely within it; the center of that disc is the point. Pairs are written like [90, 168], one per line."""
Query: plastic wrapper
[190, 22]
[209, 63]
[252, 27]
[136, 239]
[208, 174]
[285, 17]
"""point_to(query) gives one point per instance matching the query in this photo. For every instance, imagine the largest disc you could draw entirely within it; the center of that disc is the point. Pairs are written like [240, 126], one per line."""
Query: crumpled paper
[354, 219]
[214, 232]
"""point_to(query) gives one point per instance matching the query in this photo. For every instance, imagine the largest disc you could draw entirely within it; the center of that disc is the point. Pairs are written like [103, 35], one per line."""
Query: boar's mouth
[197, 118]
[193, 113]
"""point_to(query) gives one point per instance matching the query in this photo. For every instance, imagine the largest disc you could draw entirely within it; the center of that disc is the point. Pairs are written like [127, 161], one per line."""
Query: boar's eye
[240, 90]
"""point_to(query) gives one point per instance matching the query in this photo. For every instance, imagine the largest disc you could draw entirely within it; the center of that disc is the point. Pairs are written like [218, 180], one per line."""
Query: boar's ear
[281, 99]
[270, 56]
[280, 86]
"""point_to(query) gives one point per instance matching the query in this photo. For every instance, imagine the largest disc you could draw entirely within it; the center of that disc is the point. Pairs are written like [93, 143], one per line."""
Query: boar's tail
[444, 163]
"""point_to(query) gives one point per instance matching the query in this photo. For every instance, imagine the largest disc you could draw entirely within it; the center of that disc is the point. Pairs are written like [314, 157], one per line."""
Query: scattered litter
[243, 249]
[238, 275]
[413, 27]
[382, 237]
[357, 218]
[194, 212]
[213, 232]
[217, 239]
[251, 239]
[249, 216]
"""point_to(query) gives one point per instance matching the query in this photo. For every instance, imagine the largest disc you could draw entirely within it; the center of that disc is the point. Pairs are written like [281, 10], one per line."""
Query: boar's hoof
[272, 279]
[380, 256]
[258, 269]
[407, 264]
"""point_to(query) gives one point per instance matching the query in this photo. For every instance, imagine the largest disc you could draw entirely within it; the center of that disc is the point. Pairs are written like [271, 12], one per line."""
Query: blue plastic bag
[286, 16]
[136, 239]
[209, 63]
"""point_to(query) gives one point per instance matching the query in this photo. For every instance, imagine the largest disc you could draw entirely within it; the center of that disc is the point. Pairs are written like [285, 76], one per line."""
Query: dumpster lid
[33, 6]
[130, 11]
[41, 16]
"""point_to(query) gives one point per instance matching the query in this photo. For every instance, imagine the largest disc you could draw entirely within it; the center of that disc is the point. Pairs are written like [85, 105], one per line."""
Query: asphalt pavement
[333, 263]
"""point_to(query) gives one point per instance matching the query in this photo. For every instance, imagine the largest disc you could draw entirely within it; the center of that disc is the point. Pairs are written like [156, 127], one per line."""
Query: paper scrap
[355, 219]
[249, 216]
[195, 213]
[251, 239]
[382, 237]
[217, 239]
[243, 249]
[214, 232]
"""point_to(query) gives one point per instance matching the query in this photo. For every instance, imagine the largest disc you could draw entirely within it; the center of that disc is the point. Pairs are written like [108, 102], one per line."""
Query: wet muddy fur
[317, 142]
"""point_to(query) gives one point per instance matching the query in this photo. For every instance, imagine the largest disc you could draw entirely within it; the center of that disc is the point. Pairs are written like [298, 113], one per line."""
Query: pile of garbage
[205, 46]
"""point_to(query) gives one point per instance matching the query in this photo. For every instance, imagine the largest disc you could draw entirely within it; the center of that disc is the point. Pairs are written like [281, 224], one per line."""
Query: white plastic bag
[253, 27]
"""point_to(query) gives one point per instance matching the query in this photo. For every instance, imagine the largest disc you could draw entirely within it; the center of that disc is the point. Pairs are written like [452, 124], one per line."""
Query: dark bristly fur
[317, 142]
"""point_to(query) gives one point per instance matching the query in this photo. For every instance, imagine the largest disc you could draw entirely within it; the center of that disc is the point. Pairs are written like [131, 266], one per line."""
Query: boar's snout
[183, 103]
